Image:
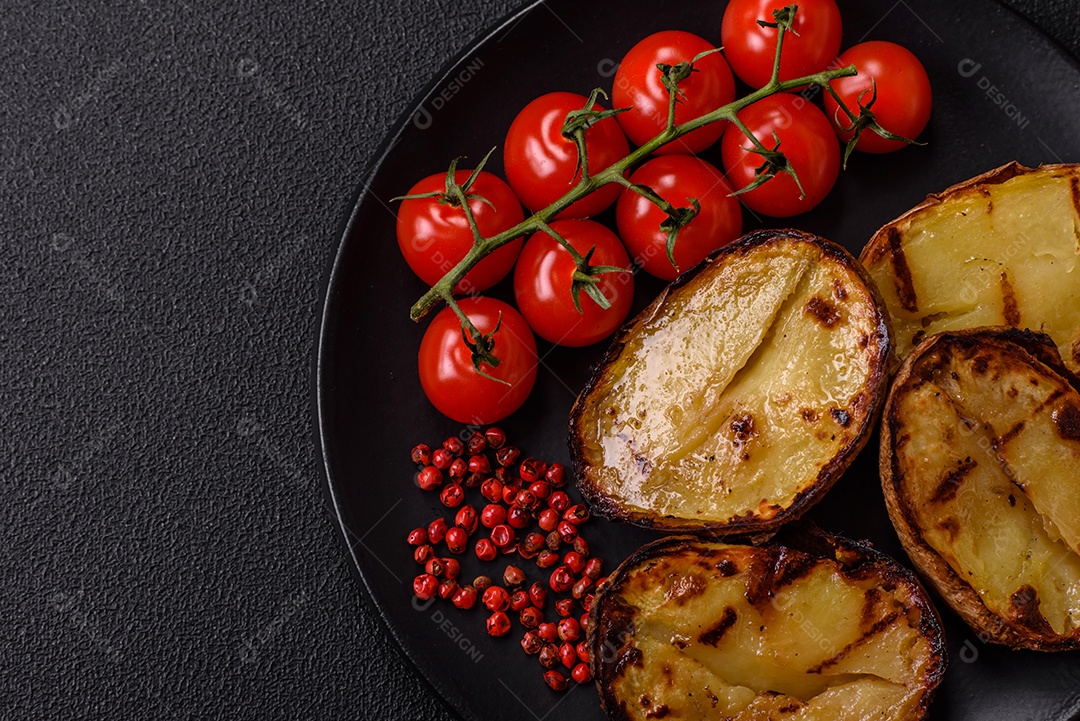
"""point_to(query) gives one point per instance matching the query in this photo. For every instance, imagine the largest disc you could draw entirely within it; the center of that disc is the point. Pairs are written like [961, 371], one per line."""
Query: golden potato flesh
[739, 395]
[980, 464]
[688, 629]
[999, 249]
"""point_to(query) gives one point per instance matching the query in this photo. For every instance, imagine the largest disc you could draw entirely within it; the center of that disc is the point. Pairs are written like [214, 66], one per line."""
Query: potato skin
[946, 581]
[753, 526]
[610, 620]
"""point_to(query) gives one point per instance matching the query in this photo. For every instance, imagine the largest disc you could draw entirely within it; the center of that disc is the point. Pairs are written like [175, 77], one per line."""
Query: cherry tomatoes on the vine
[806, 140]
[449, 378]
[434, 234]
[676, 179]
[542, 164]
[639, 85]
[543, 281]
[751, 48]
[903, 99]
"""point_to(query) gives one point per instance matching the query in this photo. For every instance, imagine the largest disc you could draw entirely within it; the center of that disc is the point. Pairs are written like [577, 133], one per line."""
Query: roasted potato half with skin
[817, 628]
[980, 464]
[1000, 249]
[739, 396]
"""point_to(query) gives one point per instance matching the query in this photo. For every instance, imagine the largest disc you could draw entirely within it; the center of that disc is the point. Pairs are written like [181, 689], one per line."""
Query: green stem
[612, 174]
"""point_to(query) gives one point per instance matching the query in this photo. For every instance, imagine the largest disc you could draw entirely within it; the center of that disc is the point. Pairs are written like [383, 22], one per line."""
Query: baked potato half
[1000, 249]
[737, 398]
[980, 464]
[817, 628]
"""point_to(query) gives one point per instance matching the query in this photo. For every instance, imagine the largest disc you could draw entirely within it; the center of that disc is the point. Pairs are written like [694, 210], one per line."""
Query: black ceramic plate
[1002, 91]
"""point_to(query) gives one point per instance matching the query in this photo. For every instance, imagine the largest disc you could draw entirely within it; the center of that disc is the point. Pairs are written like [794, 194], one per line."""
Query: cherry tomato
[638, 85]
[806, 138]
[541, 164]
[903, 99]
[434, 234]
[677, 178]
[544, 275]
[751, 49]
[447, 374]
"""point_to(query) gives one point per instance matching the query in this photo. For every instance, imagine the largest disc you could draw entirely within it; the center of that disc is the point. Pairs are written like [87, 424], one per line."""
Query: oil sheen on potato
[738, 396]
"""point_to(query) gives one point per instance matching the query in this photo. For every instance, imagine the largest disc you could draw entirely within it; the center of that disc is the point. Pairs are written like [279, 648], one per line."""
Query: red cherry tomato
[447, 374]
[541, 164]
[434, 234]
[903, 94]
[544, 275]
[806, 138]
[676, 178]
[638, 85]
[751, 49]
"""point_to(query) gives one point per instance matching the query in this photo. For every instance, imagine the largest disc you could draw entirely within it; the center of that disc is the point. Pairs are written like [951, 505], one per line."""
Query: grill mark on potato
[713, 636]
[842, 417]
[980, 365]
[880, 626]
[790, 708]
[627, 656]
[950, 484]
[1050, 399]
[726, 568]
[1067, 421]
[1005, 438]
[809, 415]
[822, 311]
[1024, 608]
[713, 699]
[905, 289]
[767, 576]
[871, 600]
[684, 588]
[839, 290]
[1010, 309]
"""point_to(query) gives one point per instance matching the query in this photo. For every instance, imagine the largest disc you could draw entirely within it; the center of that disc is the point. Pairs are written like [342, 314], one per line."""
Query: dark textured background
[172, 177]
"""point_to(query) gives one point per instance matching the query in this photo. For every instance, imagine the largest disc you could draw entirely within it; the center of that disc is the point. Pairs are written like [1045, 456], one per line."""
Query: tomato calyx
[773, 163]
[578, 121]
[481, 346]
[672, 75]
[456, 194]
[586, 276]
[865, 120]
[676, 220]
[785, 16]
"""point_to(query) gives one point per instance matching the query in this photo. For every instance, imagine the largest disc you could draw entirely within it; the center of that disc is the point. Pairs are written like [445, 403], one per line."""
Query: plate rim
[329, 296]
